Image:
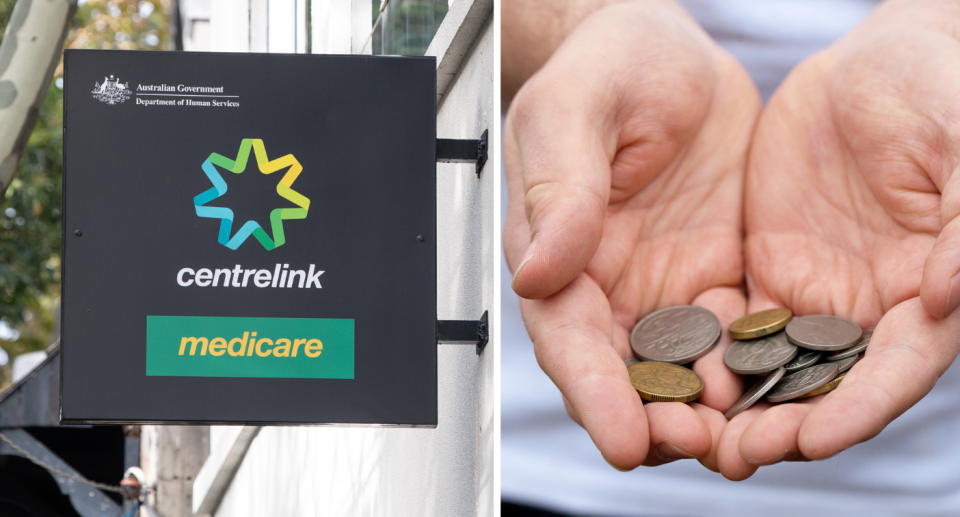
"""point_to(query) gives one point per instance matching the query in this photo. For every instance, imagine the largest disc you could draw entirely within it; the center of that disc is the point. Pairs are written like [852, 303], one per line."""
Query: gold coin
[826, 388]
[665, 382]
[760, 324]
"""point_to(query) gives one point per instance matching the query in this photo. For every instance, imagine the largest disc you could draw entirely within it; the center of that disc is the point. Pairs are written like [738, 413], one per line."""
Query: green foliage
[120, 24]
[30, 231]
[30, 216]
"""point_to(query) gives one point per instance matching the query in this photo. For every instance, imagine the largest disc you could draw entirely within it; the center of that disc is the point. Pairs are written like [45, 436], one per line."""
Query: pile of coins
[786, 358]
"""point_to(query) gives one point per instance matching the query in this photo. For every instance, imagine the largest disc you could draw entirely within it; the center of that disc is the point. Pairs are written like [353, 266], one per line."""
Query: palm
[630, 174]
[674, 240]
[843, 207]
[671, 237]
[842, 188]
[676, 236]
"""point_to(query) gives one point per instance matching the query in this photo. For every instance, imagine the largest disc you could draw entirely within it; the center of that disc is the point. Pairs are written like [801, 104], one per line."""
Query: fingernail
[953, 296]
[527, 256]
[618, 469]
[668, 451]
[761, 463]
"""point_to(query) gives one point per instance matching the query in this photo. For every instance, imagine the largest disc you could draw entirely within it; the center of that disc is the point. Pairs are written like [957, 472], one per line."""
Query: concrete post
[171, 457]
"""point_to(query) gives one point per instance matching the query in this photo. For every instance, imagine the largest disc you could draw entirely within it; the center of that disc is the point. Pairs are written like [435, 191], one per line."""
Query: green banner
[200, 346]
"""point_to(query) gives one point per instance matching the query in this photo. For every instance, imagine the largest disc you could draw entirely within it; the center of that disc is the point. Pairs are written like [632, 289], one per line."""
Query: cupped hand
[851, 208]
[624, 157]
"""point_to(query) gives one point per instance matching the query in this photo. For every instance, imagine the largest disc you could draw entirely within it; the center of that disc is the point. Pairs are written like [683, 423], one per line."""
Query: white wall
[258, 26]
[230, 23]
[331, 35]
[447, 471]
[195, 16]
[468, 252]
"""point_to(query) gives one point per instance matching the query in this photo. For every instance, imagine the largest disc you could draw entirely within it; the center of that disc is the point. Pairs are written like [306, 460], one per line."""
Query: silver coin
[758, 356]
[675, 335]
[803, 382]
[631, 361]
[755, 393]
[803, 359]
[826, 333]
[846, 363]
[852, 351]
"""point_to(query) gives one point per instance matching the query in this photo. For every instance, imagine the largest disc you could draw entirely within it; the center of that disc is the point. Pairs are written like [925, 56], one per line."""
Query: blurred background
[30, 214]
[30, 250]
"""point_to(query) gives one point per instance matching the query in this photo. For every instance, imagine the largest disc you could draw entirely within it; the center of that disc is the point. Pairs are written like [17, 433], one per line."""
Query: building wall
[467, 252]
[445, 471]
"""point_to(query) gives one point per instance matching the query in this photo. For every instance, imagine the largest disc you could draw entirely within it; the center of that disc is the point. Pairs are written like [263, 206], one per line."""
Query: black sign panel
[249, 238]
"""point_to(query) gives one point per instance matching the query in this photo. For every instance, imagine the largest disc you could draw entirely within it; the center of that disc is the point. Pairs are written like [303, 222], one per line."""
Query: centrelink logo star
[277, 216]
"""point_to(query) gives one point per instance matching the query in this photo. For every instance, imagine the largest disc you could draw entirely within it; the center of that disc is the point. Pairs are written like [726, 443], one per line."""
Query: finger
[940, 286]
[716, 423]
[908, 352]
[572, 413]
[758, 300]
[572, 338]
[677, 432]
[516, 228]
[721, 387]
[557, 148]
[729, 460]
[772, 436]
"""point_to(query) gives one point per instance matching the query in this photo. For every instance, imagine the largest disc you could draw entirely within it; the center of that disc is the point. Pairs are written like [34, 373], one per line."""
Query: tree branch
[31, 49]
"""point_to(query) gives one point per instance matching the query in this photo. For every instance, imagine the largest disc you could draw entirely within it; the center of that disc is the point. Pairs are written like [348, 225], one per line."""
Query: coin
[630, 361]
[846, 363]
[755, 393]
[803, 382]
[759, 355]
[826, 333]
[678, 335]
[854, 350]
[760, 324]
[826, 388]
[665, 382]
[803, 359]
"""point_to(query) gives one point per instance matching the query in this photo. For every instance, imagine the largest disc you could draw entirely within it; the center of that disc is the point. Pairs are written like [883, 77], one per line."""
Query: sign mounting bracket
[464, 332]
[463, 151]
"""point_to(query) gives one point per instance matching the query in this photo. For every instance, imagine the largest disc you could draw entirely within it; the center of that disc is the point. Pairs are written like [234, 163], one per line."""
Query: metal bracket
[463, 151]
[464, 332]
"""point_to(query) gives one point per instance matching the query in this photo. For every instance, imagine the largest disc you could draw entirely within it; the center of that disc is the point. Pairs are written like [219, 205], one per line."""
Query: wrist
[941, 16]
[533, 30]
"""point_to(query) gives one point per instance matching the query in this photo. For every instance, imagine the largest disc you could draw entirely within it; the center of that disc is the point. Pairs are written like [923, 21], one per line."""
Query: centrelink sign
[249, 238]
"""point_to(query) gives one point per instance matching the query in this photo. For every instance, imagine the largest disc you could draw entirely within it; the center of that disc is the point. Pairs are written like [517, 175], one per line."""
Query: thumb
[940, 285]
[553, 146]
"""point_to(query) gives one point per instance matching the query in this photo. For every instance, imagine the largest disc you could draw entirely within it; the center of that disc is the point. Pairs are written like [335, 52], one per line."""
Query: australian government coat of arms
[112, 91]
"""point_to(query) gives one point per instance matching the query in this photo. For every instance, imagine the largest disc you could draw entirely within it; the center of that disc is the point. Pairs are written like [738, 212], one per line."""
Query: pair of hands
[643, 172]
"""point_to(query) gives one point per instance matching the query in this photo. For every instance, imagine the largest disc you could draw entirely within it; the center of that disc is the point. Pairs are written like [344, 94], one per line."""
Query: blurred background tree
[30, 214]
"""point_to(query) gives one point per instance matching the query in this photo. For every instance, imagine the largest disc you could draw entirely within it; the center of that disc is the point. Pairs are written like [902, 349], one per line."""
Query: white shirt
[911, 468]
